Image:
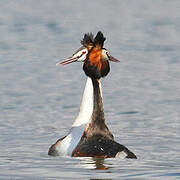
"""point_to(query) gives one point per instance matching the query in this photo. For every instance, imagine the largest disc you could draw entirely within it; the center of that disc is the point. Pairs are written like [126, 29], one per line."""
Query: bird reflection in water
[93, 163]
[99, 164]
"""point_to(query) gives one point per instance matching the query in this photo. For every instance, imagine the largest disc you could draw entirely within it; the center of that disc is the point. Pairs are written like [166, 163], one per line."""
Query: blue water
[39, 101]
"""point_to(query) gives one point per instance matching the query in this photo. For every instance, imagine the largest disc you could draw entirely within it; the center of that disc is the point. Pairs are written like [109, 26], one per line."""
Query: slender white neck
[86, 108]
[100, 87]
[69, 143]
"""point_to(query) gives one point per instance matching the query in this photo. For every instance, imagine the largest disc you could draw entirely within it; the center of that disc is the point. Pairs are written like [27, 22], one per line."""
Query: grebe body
[89, 135]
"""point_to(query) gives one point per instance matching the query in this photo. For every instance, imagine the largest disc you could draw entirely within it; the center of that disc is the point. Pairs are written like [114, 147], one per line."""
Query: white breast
[69, 143]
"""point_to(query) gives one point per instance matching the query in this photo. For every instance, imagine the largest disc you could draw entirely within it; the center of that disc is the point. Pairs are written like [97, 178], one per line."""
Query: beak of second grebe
[113, 59]
[67, 61]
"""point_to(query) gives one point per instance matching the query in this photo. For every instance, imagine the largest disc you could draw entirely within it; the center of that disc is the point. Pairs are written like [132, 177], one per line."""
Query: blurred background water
[39, 101]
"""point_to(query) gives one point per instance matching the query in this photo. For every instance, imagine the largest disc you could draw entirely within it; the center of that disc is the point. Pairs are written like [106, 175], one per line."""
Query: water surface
[39, 101]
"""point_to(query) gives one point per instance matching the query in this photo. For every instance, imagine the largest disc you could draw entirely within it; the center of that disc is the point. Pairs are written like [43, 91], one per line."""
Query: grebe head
[95, 57]
[96, 64]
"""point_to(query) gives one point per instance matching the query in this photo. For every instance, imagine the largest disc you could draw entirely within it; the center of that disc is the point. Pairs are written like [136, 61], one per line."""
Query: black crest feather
[99, 39]
[87, 40]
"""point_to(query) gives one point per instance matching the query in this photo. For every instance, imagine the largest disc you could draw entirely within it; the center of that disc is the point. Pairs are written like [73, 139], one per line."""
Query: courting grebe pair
[89, 135]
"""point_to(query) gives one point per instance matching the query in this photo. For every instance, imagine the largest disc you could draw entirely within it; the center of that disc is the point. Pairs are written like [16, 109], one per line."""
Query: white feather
[69, 143]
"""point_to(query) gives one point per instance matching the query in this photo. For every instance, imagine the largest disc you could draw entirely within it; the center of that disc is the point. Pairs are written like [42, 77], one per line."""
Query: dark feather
[100, 146]
[99, 39]
[87, 40]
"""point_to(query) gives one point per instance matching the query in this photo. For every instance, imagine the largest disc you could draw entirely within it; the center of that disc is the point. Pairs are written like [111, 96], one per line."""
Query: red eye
[84, 52]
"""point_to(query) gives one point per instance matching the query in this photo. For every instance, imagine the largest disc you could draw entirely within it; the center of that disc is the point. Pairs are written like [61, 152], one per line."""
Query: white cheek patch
[105, 55]
[82, 55]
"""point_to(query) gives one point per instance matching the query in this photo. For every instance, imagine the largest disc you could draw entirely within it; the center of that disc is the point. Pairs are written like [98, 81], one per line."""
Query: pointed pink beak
[67, 61]
[113, 59]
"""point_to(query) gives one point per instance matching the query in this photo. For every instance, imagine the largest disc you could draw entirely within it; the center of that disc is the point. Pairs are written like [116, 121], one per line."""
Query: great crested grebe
[89, 135]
